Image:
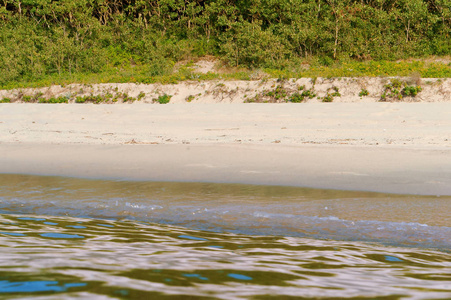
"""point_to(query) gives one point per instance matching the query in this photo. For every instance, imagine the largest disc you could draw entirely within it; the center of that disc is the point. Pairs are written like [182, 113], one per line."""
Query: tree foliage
[39, 37]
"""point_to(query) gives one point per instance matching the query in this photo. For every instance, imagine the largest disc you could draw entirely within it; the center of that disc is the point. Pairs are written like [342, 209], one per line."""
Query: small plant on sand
[5, 100]
[299, 97]
[141, 95]
[189, 98]
[335, 92]
[392, 90]
[91, 99]
[37, 97]
[99, 99]
[363, 92]
[296, 98]
[251, 100]
[329, 97]
[80, 100]
[411, 91]
[396, 90]
[54, 100]
[116, 97]
[281, 93]
[27, 98]
[163, 99]
[127, 98]
[278, 94]
[309, 93]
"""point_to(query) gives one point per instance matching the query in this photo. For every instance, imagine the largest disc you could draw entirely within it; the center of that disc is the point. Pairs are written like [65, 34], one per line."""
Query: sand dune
[238, 91]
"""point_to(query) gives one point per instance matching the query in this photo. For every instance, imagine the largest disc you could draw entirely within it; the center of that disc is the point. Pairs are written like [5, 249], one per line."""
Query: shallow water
[93, 239]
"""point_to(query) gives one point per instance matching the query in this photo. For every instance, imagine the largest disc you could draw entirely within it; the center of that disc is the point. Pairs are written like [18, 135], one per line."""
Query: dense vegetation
[62, 38]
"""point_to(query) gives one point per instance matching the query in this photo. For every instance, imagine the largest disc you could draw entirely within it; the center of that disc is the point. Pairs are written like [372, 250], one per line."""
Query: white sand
[412, 125]
[385, 147]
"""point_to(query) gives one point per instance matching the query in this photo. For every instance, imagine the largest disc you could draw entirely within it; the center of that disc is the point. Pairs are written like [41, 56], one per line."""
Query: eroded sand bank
[239, 91]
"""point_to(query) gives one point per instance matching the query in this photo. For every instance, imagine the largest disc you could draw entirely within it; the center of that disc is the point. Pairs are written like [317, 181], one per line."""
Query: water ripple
[139, 259]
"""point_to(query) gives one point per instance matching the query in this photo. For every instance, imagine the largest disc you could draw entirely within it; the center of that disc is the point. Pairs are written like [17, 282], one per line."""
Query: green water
[92, 258]
[64, 238]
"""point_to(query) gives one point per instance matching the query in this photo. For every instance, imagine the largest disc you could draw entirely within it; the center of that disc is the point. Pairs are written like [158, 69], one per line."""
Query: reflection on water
[92, 239]
[83, 258]
[398, 220]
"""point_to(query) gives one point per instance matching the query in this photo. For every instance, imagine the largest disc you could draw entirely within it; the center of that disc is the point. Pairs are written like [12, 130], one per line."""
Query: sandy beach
[383, 147]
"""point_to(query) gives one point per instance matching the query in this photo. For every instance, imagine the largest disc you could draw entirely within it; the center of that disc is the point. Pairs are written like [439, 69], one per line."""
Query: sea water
[66, 238]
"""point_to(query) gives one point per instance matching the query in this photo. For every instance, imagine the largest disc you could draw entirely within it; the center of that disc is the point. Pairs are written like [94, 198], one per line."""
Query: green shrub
[62, 99]
[296, 98]
[300, 97]
[325, 61]
[411, 91]
[392, 90]
[91, 99]
[53, 100]
[279, 93]
[127, 98]
[59, 42]
[309, 93]
[336, 92]
[397, 89]
[5, 100]
[363, 92]
[163, 99]
[141, 95]
[328, 98]
[80, 100]
[27, 98]
[395, 83]
[37, 96]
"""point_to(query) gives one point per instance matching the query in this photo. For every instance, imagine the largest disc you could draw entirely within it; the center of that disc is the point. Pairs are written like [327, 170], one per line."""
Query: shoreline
[401, 148]
[405, 171]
